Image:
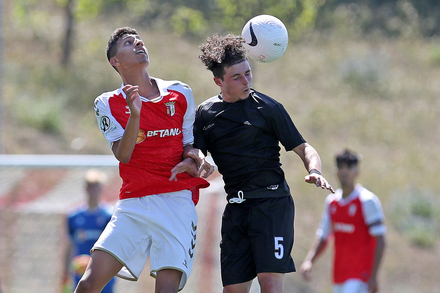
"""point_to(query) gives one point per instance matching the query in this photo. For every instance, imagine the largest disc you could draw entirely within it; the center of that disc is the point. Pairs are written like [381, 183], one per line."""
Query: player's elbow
[124, 159]
[122, 154]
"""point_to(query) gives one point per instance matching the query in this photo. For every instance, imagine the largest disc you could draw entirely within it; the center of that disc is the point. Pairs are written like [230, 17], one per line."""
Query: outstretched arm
[312, 163]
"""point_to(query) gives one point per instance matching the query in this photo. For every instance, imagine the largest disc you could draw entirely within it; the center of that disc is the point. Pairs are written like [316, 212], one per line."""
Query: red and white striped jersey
[166, 125]
[349, 220]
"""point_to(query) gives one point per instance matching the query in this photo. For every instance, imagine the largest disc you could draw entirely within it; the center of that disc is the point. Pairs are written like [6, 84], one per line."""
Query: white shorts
[162, 227]
[351, 286]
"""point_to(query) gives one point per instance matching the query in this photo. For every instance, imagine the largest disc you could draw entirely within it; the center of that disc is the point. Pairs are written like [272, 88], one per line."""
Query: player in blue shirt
[85, 225]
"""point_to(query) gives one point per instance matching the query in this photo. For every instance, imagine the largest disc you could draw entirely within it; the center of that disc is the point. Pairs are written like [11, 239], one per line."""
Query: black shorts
[257, 237]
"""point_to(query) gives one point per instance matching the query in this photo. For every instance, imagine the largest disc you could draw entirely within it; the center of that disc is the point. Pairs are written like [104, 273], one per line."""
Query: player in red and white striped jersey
[148, 124]
[353, 216]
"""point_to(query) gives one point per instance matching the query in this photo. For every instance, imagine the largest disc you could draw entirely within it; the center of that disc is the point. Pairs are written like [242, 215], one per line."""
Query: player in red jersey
[353, 215]
[148, 125]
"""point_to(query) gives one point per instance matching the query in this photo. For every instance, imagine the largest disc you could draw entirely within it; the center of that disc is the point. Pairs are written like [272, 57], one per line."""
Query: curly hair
[114, 38]
[220, 52]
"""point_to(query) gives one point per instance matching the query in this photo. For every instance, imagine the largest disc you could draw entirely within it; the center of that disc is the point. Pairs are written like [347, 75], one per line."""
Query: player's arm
[378, 255]
[193, 159]
[199, 158]
[315, 251]
[194, 163]
[123, 148]
[312, 163]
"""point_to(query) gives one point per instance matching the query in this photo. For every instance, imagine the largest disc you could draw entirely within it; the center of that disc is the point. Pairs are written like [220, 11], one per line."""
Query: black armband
[314, 171]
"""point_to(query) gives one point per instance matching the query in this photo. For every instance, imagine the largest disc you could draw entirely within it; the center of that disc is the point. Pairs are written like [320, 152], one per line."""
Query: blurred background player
[84, 226]
[353, 215]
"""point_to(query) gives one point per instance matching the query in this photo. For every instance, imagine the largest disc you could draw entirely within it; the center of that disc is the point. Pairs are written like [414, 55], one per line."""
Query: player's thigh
[351, 286]
[272, 234]
[173, 229]
[237, 259]
[168, 280]
[101, 269]
[127, 236]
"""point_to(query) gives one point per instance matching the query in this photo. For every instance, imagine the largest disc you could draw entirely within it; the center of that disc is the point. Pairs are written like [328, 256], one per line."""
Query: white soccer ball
[266, 38]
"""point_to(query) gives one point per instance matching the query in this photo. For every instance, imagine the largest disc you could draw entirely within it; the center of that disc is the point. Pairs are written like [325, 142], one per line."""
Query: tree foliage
[199, 18]
[391, 17]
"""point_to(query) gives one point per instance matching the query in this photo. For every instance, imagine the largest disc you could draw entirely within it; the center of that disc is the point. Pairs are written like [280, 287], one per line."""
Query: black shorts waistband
[276, 190]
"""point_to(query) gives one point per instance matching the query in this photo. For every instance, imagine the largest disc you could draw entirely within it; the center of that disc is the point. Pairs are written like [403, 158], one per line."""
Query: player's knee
[271, 283]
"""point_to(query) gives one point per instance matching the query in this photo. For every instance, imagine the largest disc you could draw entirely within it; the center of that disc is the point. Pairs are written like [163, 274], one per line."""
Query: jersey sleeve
[372, 210]
[189, 117]
[199, 139]
[110, 128]
[325, 228]
[284, 128]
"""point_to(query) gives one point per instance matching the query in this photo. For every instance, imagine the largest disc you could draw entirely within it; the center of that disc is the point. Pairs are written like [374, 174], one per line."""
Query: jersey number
[279, 248]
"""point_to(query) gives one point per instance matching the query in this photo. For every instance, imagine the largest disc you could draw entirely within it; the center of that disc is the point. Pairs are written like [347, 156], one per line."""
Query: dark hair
[220, 52]
[115, 37]
[348, 158]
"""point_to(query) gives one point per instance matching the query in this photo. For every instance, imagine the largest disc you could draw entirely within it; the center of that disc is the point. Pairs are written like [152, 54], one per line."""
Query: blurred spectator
[84, 226]
[353, 215]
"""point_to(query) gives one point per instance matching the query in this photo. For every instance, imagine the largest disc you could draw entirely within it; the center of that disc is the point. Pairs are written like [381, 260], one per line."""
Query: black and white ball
[266, 38]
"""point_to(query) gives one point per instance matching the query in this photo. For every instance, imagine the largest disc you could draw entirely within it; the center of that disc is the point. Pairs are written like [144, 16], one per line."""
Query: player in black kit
[242, 129]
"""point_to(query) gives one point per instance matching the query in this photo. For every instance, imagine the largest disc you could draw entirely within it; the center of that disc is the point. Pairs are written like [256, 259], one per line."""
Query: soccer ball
[266, 38]
[79, 264]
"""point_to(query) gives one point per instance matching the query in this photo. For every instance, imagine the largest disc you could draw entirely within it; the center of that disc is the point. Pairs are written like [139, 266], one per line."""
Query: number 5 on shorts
[279, 248]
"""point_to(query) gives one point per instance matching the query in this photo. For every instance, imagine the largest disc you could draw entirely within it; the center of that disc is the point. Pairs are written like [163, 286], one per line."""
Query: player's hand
[133, 98]
[186, 166]
[319, 181]
[306, 269]
[202, 163]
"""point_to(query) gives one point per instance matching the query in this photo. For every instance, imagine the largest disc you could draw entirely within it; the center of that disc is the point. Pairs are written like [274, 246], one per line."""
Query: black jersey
[243, 139]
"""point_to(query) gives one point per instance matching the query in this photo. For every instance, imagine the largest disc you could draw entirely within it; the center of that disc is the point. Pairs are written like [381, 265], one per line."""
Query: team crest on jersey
[171, 110]
[352, 210]
[141, 136]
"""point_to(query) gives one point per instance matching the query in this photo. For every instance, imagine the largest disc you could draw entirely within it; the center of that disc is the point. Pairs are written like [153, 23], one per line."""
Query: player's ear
[114, 61]
[218, 81]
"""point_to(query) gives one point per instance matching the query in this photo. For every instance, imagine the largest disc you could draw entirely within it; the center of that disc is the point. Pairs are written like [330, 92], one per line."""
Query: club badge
[171, 110]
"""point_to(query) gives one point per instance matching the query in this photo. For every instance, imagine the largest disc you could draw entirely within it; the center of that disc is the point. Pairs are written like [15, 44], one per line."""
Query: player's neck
[147, 87]
[136, 76]
[347, 190]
